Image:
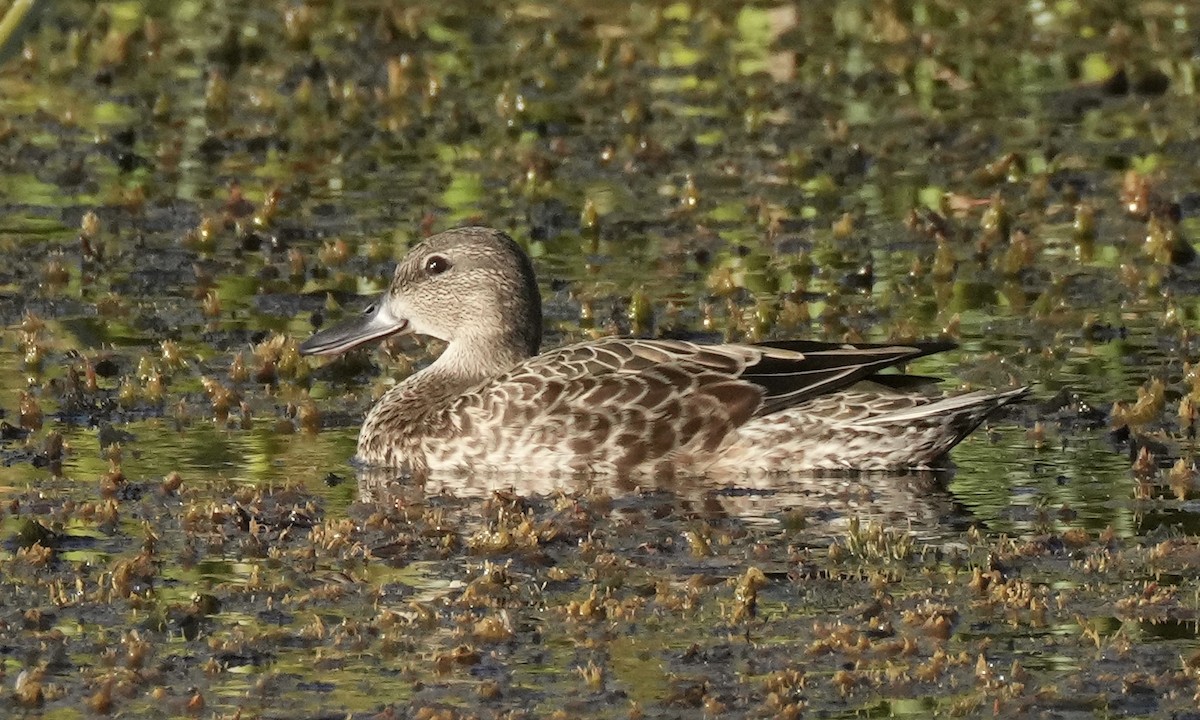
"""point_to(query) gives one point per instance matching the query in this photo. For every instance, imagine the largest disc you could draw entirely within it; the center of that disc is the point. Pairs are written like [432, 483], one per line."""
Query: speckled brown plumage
[627, 406]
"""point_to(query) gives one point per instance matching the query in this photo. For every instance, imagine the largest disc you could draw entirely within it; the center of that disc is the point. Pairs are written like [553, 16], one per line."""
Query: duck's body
[490, 402]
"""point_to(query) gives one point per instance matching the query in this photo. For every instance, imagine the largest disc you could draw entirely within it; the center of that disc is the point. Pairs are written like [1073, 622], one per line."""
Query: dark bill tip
[375, 323]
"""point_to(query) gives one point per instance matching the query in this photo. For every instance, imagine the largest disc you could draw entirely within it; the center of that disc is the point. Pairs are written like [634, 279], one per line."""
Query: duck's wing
[636, 401]
[787, 372]
[824, 368]
[781, 373]
[618, 403]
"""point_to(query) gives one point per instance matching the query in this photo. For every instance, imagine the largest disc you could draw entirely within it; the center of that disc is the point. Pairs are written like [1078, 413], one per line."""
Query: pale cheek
[442, 329]
[442, 319]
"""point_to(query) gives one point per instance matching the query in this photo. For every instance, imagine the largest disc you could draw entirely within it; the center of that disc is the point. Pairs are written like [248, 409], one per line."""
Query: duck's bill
[375, 323]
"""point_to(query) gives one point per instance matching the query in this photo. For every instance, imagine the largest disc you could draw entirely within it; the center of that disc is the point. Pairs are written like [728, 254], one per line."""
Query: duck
[492, 401]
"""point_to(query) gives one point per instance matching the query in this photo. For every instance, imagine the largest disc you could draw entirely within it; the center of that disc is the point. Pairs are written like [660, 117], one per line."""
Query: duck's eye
[436, 265]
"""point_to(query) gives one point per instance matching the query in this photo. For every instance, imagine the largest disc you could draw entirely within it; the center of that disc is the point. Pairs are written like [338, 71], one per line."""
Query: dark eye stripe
[436, 265]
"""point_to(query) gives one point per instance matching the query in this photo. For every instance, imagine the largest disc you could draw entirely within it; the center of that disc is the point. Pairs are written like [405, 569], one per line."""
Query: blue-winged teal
[491, 402]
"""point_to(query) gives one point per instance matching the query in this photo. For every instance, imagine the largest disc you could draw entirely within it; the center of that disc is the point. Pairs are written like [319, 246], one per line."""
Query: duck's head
[468, 286]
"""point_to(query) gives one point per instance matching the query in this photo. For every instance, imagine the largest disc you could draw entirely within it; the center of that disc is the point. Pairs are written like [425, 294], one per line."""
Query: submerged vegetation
[188, 188]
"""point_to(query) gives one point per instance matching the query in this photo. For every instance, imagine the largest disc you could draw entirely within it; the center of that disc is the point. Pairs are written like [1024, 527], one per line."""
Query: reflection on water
[821, 505]
[1011, 487]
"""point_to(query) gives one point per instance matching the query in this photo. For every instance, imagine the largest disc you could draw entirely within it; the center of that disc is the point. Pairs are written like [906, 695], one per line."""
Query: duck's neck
[469, 361]
[463, 365]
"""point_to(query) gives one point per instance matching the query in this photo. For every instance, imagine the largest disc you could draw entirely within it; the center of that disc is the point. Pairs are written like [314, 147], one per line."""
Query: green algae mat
[188, 189]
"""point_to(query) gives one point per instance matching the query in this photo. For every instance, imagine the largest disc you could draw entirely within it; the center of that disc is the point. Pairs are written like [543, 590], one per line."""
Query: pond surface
[189, 188]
